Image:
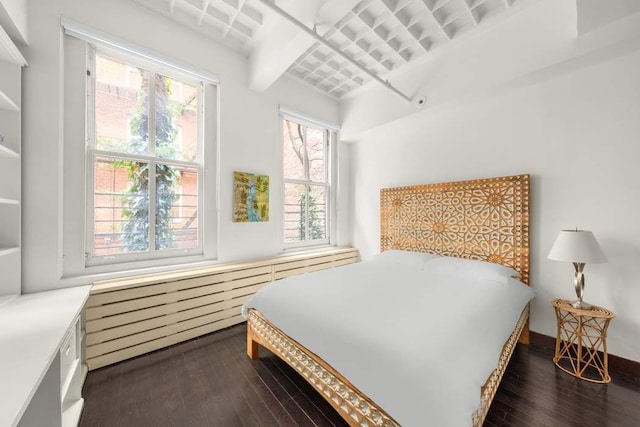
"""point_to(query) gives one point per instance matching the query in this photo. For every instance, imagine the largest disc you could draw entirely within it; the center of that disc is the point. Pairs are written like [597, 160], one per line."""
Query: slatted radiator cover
[132, 316]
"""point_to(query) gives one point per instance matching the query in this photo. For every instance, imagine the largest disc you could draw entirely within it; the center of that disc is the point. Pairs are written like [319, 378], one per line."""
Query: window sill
[308, 248]
[115, 271]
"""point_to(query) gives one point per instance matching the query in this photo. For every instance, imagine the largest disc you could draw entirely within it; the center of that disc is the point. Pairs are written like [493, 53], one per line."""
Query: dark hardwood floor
[209, 381]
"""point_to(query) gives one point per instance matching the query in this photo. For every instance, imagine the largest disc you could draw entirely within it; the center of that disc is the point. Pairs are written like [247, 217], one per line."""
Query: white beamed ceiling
[381, 35]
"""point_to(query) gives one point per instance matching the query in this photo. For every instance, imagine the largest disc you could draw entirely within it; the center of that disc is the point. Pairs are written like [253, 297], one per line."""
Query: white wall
[596, 13]
[526, 96]
[249, 129]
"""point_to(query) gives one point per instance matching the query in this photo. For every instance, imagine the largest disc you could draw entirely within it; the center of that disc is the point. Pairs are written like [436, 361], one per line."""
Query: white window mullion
[328, 165]
[90, 158]
[200, 155]
[142, 158]
[306, 212]
[300, 181]
[305, 168]
[91, 97]
[327, 151]
[200, 118]
[151, 99]
[152, 206]
[306, 165]
[91, 202]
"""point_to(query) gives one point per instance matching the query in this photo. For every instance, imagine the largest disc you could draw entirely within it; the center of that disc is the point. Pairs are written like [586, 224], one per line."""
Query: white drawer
[70, 351]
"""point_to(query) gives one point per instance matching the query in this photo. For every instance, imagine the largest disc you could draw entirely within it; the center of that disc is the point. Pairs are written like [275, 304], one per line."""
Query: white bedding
[419, 342]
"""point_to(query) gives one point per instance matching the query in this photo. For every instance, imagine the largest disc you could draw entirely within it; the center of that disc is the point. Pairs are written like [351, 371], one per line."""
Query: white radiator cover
[131, 316]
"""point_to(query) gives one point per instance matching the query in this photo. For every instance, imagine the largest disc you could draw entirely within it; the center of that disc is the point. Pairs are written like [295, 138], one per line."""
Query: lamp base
[578, 282]
[581, 305]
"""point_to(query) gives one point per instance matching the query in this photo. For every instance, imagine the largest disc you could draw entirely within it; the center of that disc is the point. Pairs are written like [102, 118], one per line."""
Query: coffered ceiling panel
[378, 36]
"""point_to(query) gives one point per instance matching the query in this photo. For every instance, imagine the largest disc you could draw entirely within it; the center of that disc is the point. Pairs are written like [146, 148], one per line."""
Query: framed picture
[250, 197]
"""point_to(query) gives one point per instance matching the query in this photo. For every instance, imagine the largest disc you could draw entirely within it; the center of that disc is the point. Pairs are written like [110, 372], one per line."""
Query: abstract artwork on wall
[250, 197]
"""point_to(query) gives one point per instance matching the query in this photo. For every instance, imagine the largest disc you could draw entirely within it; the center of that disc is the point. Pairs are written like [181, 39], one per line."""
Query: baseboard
[616, 363]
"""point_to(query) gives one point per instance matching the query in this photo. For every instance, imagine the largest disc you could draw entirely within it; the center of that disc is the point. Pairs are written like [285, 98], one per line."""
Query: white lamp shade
[576, 246]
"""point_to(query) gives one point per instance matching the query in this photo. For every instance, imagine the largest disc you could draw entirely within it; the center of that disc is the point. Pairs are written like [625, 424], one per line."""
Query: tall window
[306, 183]
[145, 161]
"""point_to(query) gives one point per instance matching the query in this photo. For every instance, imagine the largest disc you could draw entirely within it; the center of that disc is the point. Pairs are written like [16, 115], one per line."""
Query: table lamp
[578, 247]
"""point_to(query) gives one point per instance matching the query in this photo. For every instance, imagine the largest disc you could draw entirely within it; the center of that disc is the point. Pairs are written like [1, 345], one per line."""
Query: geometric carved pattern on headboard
[484, 219]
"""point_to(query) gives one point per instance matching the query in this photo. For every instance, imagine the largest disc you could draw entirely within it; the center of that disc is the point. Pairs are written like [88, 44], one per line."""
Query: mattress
[418, 341]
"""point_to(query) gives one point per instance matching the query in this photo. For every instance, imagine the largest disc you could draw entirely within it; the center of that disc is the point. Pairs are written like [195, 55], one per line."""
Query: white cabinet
[42, 367]
[72, 373]
[11, 63]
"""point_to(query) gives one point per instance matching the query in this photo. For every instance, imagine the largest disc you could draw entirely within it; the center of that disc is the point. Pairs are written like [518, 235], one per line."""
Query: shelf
[74, 371]
[9, 251]
[9, 202]
[9, 51]
[8, 152]
[7, 104]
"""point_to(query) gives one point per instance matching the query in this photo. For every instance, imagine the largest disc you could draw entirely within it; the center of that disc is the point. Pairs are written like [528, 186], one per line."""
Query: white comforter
[418, 343]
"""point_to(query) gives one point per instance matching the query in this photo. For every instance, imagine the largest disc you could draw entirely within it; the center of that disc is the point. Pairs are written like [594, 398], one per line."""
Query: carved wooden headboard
[485, 219]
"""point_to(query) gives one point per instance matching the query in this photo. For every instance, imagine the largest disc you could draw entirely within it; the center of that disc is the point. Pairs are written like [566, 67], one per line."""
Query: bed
[405, 367]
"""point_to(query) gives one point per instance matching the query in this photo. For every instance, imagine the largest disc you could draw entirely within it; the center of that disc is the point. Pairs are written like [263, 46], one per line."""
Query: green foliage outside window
[314, 222]
[136, 228]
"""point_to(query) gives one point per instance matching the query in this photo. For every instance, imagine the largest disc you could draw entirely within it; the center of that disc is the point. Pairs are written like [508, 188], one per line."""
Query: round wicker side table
[581, 343]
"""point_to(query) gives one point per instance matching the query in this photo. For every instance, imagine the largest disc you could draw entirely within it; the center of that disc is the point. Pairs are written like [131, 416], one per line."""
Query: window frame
[330, 132]
[92, 153]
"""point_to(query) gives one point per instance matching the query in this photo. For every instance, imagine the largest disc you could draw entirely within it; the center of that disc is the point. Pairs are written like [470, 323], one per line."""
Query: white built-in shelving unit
[11, 63]
[42, 362]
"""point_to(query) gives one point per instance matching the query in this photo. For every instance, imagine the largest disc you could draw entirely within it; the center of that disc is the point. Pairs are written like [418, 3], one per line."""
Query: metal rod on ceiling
[271, 4]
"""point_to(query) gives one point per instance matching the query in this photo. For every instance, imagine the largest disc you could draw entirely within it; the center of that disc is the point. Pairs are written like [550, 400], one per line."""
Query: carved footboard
[356, 408]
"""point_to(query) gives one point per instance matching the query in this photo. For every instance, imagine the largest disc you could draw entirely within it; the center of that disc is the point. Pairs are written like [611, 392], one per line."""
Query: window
[307, 189]
[145, 158]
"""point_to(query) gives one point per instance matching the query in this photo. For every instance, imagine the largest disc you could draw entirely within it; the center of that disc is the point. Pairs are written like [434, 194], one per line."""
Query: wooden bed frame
[485, 219]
